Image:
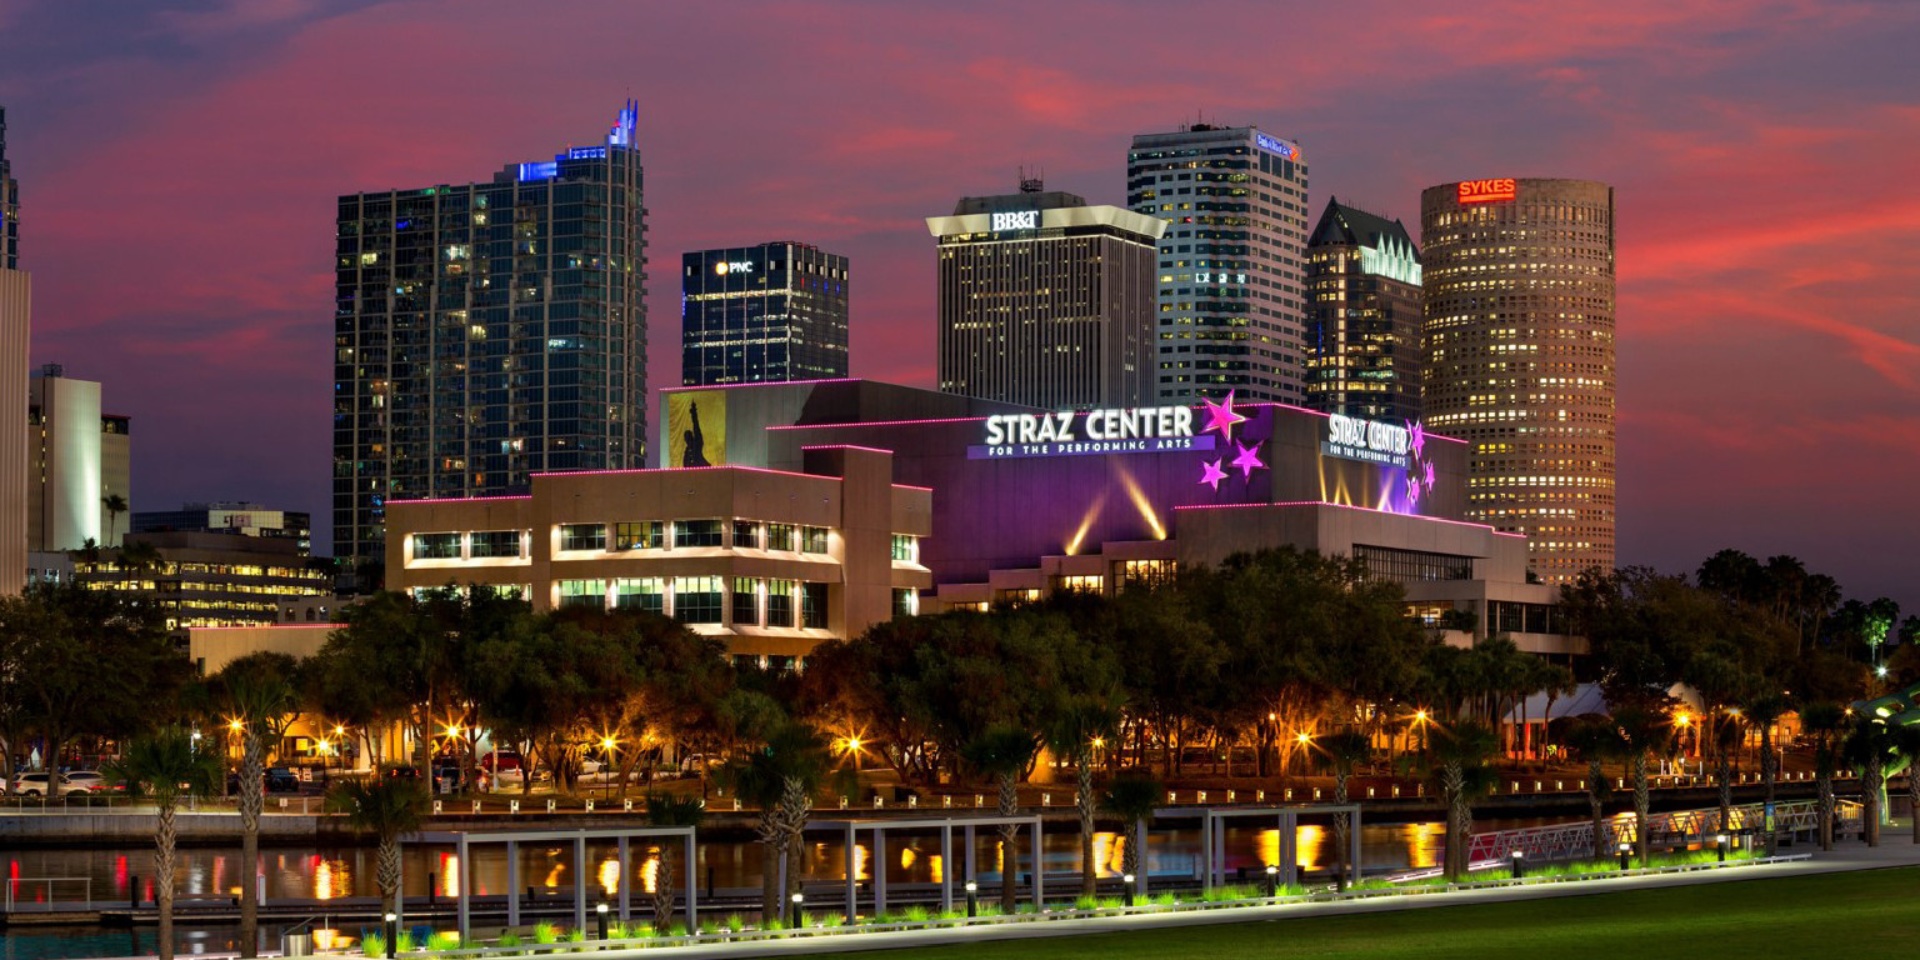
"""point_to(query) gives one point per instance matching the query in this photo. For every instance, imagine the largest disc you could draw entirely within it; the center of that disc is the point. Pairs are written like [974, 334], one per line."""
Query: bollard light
[1126, 893]
[1720, 846]
[797, 916]
[393, 934]
[600, 917]
[1519, 864]
[1273, 881]
[1626, 851]
[973, 899]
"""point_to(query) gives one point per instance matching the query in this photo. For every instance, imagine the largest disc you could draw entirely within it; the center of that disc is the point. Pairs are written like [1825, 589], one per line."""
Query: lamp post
[393, 934]
[1626, 851]
[798, 915]
[1126, 893]
[600, 918]
[1720, 846]
[1273, 881]
[973, 899]
[1519, 864]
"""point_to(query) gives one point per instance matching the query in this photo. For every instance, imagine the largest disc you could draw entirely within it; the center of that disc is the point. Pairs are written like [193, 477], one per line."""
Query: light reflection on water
[336, 873]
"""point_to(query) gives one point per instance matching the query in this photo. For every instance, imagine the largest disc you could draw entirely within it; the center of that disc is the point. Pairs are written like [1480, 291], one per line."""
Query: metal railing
[46, 902]
[1572, 841]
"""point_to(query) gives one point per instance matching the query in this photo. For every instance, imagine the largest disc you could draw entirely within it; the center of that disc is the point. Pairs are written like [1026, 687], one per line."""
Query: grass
[1868, 913]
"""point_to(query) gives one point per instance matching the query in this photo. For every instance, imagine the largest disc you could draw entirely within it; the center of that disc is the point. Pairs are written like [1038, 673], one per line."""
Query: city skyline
[1761, 380]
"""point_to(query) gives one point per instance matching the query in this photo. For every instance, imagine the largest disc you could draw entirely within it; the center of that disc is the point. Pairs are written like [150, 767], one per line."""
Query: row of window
[752, 602]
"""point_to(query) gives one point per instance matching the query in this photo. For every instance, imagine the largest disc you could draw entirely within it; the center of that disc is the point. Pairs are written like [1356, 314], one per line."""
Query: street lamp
[1626, 850]
[393, 933]
[600, 917]
[1519, 864]
[799, 917]
[1720, 844]
[1273, 881]
[973, 899]
[1126, 893]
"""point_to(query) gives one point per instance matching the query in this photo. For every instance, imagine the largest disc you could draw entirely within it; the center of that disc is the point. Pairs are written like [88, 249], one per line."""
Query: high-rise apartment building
[1520, 358]
[9, 207]
[773, 312]
[486, 332]
[1046, 300]
[16, 298]
[1363, 316]
[78, 463]
[1231, 311]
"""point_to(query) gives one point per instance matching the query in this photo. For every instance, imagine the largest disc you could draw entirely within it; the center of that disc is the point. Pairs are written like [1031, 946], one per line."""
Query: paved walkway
[1896, 850]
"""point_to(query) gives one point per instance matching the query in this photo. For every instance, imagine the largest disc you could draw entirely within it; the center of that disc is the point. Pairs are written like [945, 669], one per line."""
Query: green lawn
[1865, 914]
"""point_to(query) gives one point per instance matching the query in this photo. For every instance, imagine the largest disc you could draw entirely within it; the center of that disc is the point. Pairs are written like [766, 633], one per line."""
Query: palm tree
[165, 765]
[780, 779]
[259, 690]
[1866, 750]
[1728, 731]
[1644, 732]
[115, 505]
[1342, 752]
[1826, 722]
[669, 811]
[1596, 740]
[1003, 753]
[1906, 741]
[1073, 734]
[389, 808]
[1460, 755]
[1132, 796]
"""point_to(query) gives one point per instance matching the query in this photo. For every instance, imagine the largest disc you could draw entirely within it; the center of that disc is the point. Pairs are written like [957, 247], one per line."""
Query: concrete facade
[16, 312]
[78, 457]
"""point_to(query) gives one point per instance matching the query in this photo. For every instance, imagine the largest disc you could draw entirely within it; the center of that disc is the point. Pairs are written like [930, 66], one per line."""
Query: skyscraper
[777, 311]
[486, 332]
[1520, 358]
[9, 207]
[1231, 264]
[1363, 316]
[77, 457]
[1046, 300]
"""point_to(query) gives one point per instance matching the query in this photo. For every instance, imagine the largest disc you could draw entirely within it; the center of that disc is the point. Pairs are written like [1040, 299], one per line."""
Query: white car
[79, 781]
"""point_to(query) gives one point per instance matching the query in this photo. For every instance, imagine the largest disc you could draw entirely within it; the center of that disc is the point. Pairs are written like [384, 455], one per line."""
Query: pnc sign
[1488, 191]
[1017, 220]
[1116, 430]
[724, 267]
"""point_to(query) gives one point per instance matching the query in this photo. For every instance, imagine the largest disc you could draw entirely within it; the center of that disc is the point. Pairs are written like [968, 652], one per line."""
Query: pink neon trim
[876, 423]
[763, 383]
[844, 446]
[279, 626]
[724, 466]
[515, 496]
[910, 486]
[1346, 506]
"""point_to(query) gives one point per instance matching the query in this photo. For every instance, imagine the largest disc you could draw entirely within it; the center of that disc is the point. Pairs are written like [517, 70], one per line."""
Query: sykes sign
[1488, 191]
[1118, 430]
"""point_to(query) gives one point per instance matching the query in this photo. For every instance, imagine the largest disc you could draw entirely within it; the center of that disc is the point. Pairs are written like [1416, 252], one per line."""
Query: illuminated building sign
[1119, 430]
[1278, 146]
[1017, 220]
[1487, 191]
[1370, 440]
[725, 267]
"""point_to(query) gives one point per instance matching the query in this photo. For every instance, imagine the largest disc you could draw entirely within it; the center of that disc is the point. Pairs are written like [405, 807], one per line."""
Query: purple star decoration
[1417, 436]
[1220, 416]
[1248, 460]
[1211, 474]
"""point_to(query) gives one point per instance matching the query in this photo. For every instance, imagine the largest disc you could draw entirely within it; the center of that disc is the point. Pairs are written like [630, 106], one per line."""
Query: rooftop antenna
[1035, 184]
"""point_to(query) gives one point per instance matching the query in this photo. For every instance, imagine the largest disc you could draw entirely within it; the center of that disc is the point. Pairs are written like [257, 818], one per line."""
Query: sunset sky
[179, 164]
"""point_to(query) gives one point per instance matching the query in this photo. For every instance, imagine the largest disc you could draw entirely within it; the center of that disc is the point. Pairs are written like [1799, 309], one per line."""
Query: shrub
[404, 942]
[373, 945]
[735, 922]
[546, 933]
[445, 940]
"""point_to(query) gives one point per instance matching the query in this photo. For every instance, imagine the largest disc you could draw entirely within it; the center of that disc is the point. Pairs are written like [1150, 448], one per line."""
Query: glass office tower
[777, 311]
[9, 205]
[486, 332]
[1363, 316]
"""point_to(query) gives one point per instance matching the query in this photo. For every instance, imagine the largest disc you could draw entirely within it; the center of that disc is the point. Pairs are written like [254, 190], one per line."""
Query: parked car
[282, 780]
[60, 785]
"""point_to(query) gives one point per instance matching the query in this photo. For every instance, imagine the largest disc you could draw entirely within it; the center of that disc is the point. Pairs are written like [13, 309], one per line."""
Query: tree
[1827, 723]
[1461, 754]
[389, 807]
[259, 691]
[115, 505]
[1762, 711]
[1076, 728]
[670, 811]
[1596, 740]
[1002, 753]
[1132, 796]
[1644, 732]
[780, 778]
[1342, 753]
[1867, 747]
[165, 766]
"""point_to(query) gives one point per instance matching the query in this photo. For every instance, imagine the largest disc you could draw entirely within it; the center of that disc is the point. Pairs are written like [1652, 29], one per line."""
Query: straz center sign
[1096, 432]
[1371, 440]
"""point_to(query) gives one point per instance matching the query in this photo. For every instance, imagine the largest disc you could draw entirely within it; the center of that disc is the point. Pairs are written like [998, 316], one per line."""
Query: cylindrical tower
[1520, 358]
